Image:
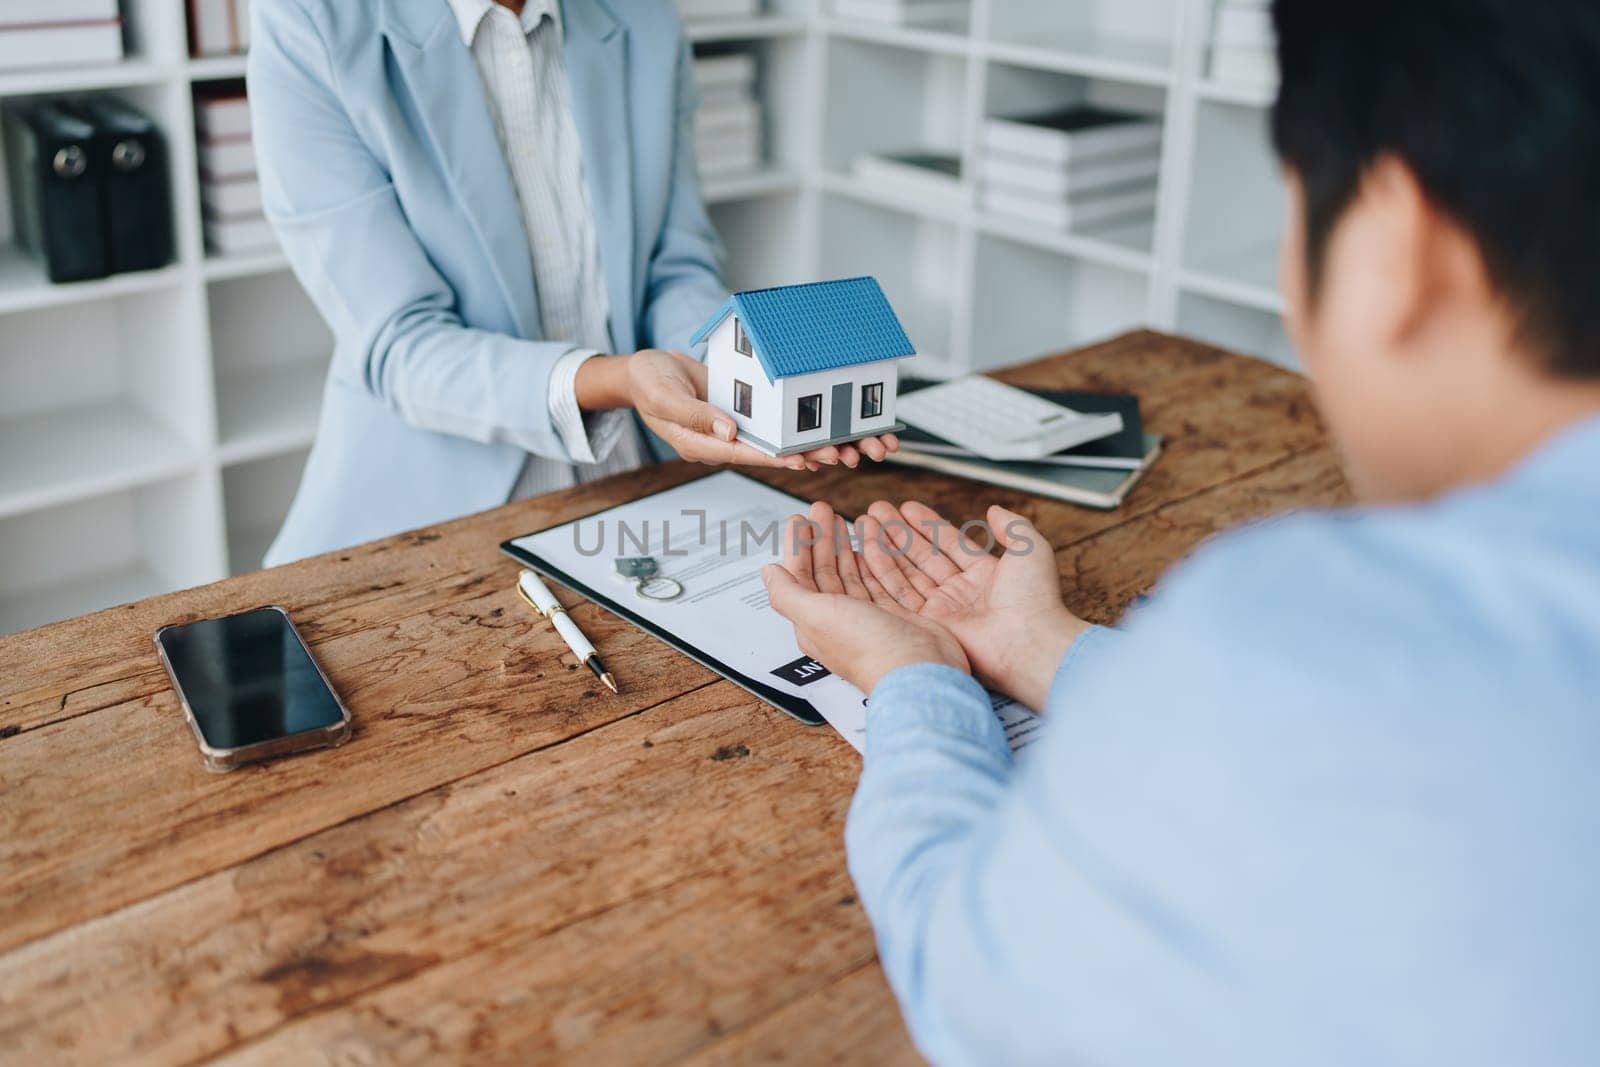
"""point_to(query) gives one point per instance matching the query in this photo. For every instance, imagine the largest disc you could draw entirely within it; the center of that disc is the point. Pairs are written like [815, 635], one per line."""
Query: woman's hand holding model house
[669, 391]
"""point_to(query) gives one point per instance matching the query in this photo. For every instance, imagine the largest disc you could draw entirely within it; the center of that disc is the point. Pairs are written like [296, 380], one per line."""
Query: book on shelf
[218, 27]
[57, 43]
[1108, 207]
[1069, 135]
[56, 12]
[220, 160]
[236, 237]
[721, 157]
[1243, 44]
[904, 12]
[724, 70]
[741, 118]
[222, 111]
[233, 199]
[1020, 173]
[931, 175]
[701, 10]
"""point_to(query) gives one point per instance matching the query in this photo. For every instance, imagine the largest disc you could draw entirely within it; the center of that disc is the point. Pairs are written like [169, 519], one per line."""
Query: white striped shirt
[525, 82]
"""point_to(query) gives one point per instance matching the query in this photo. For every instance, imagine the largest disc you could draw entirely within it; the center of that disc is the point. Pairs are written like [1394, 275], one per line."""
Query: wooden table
[505, 863]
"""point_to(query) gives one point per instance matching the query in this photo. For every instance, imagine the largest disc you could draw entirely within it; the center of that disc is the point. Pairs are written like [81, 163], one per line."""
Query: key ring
[644, 572]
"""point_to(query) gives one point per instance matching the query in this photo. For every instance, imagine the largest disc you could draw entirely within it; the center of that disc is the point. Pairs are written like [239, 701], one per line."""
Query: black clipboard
[795, 707]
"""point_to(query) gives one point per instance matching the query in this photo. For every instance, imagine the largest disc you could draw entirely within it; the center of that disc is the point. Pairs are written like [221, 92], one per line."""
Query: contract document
[712, 536]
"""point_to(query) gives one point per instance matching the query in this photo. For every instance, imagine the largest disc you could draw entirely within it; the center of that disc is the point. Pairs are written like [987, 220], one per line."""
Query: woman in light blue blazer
[384, 176]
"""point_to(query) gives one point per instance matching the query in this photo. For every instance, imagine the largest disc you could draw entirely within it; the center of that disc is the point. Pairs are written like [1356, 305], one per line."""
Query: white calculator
[999, 422]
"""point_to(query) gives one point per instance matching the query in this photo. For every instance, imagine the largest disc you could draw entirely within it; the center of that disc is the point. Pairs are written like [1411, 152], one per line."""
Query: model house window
[741, 343]
[872, 400]
[741, 398]
[809, 412]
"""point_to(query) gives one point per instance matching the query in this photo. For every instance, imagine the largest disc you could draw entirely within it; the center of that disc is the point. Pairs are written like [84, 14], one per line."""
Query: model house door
[839, 421]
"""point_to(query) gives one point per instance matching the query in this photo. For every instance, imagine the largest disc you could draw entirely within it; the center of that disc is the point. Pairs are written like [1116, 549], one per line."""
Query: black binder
[56, 190]
[131, 155]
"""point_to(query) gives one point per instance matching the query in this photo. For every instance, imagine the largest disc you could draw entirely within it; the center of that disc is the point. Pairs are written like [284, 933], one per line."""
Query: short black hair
[1494, 105]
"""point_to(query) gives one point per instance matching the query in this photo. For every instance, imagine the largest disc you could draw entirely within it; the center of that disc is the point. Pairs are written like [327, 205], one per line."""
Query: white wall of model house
[774, 417]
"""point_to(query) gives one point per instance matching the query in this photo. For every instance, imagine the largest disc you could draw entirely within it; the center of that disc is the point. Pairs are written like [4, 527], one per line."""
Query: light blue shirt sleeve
[1330, 799]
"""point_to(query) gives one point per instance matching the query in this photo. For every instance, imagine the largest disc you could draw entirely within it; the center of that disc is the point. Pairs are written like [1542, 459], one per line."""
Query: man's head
[1442, 256]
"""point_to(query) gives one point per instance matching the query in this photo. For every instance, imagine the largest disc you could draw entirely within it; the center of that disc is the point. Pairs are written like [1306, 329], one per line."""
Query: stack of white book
[728, 127]
[59, 33]
[704, 10]
[919, 13]
[1071, 168]
[230, 192]
[1242, 44]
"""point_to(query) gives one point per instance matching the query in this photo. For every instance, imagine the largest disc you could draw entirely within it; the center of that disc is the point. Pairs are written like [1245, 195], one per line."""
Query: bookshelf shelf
[1125, 61]
[933, 41]
[765, 182]
[58, 457]
[745, 29]
[24, 287]
[1259, 96]
[84, 79]
[267, 411]
[1124, 247]
[225, 268]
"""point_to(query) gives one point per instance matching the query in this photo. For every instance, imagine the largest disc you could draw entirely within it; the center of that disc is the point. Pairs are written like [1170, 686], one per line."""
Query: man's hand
[668, 389]
[843, 618]
[1007, 612]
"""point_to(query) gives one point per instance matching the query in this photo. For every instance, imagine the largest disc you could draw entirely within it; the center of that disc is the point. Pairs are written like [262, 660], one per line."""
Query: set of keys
[648, 581]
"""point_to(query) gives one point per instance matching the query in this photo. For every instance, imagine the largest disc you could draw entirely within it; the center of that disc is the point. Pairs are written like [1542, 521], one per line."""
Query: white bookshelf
[153, 426]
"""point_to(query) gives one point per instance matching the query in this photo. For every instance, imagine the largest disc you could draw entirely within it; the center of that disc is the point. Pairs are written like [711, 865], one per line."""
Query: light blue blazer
[385, 180]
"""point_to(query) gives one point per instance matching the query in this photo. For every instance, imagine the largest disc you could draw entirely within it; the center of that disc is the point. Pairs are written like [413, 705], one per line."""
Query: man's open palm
[1007, 612]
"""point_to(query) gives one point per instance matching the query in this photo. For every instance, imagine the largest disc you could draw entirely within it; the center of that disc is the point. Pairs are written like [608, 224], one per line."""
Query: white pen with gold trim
[535, 592]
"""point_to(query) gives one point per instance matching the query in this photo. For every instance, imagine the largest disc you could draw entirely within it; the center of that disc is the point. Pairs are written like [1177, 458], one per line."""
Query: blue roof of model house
[800, 329]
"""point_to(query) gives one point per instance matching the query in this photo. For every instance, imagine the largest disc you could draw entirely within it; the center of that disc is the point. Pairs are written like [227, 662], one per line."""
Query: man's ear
[1427, 265]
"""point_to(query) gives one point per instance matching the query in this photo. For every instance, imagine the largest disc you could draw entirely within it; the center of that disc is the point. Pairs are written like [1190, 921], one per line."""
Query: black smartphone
[250, 689]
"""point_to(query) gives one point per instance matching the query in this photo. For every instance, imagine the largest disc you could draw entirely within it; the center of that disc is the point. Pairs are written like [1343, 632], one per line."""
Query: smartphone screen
[248, 678]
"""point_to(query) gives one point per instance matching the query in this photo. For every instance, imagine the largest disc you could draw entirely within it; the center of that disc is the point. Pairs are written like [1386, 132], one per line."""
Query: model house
[802, 366]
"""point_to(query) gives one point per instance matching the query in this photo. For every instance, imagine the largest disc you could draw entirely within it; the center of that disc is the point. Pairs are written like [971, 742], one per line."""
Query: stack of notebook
[1242, 44]
[1071, 168]
[59, 33]
[934, 14]
[230, 192]
[728, 126]
[1099, 474]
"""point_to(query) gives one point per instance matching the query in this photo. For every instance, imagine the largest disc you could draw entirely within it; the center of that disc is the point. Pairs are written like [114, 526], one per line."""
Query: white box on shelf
[61, 45]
